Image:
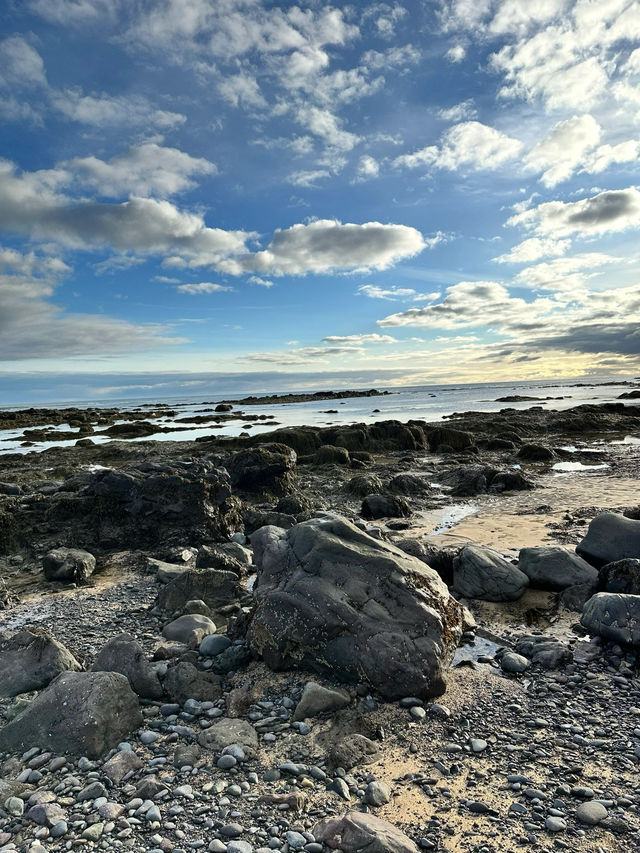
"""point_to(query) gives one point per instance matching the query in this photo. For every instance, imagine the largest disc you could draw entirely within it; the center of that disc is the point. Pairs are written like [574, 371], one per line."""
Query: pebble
[591, 813]
[555, 824]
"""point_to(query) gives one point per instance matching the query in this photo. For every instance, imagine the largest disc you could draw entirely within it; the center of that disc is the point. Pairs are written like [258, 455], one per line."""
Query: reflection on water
[577, 467]
[481, 646]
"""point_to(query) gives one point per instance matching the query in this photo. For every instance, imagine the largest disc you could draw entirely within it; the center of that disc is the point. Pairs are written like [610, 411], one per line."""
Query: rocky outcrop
[483, 573]
[125, 655]
[270, 468]
[621, 576]
[358, 832]
[410, 484]
[331, 598]
[70, 565]
[364, 484]
[80, 713]
[610, 537]
[613, 616]
[449, 438]
[329, 454]
[555, 568]
[217, 589]
[184, 681]
[469, 480]
[384, 506]
[30, 659]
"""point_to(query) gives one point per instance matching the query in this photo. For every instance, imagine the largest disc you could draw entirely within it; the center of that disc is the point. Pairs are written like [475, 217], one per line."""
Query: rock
[356, 832]
[214, 557]
[125, 655]
[223, 407]
[214, 644]
[328, 454]
[610, 538]
[226, 732]
[377, 794]
[613, 616]
[470, 480]
[123, 762]
[575, 597]
[364, 484]
[184, 681]
[483, 573]
[318, 700]
[555, 824]
[30, 659]
[384, 506]
[166, 572]
[447, 437]
[621, 576]
[331, 598]
[293, 505]
[217, 589]
[69, 565]
[410, 484]
[513, 662]
[543, 651]
[351, 751]
[591, 813]
[100, 709]
[190, 629]
[270, 468]
[535, 453]
[555, 568]
[187, 755]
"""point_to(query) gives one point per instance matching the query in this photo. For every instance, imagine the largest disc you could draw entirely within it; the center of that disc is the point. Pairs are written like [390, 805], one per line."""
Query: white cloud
[262, 282]
[308, 178]
[101, 110]
[467, 145]
[203, 287]
[21, 66]
[368, 168]
[609, 211]
[148, 169]
[75, 11]
[391, 294]
[329, 245]
[456, 53]
[568, 275]
[241, 89]
[303, 355]
[373, 338]
[459, 112]
[399, 56]
[326, 125]
[533, 248]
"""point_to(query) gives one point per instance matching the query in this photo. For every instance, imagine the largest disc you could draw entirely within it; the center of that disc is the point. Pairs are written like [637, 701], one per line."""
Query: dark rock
[30, 659]
[613, 616]
[184, 681]
[190, 629]
[225, 732]
[409, 484]
[610, 538]
[331, 598]
[440, 559]
[364, 484]
[270, 468]
[543, 651]
[384, 506]
[123, 762]
[535, 453]
[357, 832]
[79, 713]
[223, 407]
[293, 505]
[483, 573]
[69, 565]
[621, 576]
[328, 454]
[469, 480]
[555, 568]
[125, 655]
[254, 519]
[351, 751]
[220, 558]
[232, 658]
[575, 597]
[217, 589]
[449, 437]
[138, 429]
[317, 699]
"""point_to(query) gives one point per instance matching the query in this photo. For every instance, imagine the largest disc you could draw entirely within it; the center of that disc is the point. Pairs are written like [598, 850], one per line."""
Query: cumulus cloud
[147, 169]
[567, 275]
[326, 125]
[203, 287]
[469, 145]
[532, 249]
[308, 178]
[394, 293]
[458, 112]
[373, 338]
[262, 282]
[102, 110]
[21, 66]
[368, 168]
[608, 211]
[241, 89]
[329, 245]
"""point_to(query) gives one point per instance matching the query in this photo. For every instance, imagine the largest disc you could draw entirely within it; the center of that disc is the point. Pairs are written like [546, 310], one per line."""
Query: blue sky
[294, 195]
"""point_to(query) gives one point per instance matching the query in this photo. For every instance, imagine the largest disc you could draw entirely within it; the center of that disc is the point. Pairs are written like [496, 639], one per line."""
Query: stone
[535, 453]
[554, 568]
[575, 597]
[591, 813]
[512, 662]
[484, 574]
[355, 832]
[384, 506]
[470, 480]
[30, 659]
[46, 814]
[610, 538]
[184, 681]
[621, 576]
[125, 655]
[448, 437]
[613, 616]
[190, 629]
[70, 565]
[364, 484]
[352, 750]
[331, 598]
[270, 469]
[410, 484]
[328, 454]
[166, 572]
[543, 651]
[214, 644]
[79, 713]
[377, 794]
[123, 762]
[216, 588]
[318, 700]
[226, 732]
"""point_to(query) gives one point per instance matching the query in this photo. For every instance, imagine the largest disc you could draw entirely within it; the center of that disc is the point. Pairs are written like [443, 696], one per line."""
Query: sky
[208, 194]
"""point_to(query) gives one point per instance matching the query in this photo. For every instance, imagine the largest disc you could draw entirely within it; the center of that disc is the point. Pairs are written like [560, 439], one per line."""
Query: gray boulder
[227, 731]
[30, 659]
[358, 832]
[555, 568]
[483, 573]
[543, 651]
[125, 655]
[613, 616]
[621, 576]
[610, 537]
[217, 589]
[384, 506]
[184, 681]
[70, 565]
[79, 713]
[317, 699]
[190, 629]
[331, 598]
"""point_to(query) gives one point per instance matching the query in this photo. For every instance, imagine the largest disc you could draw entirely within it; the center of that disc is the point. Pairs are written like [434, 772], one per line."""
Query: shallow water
[578, 467]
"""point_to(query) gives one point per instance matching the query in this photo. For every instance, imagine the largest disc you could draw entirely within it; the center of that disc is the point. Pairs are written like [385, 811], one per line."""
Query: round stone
[512, 662]
[555, 824]
[417, 712]
[591, 813]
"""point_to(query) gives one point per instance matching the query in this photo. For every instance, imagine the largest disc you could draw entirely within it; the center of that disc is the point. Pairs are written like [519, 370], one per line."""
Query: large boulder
[189, 629]
[79, 713]
[448, 437]
[621, 576]
[610, 537]
[125, 655]
[216, 588]
[185, 681]
[225, 732]
[469, 480]
[358, 832]
[614, 616]
[329, 454]
[30, 659]
[69, 565]
[269, 468]
[410, 484]
[384, 506]
[555, 568]
[331, 598]
[483, 573]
